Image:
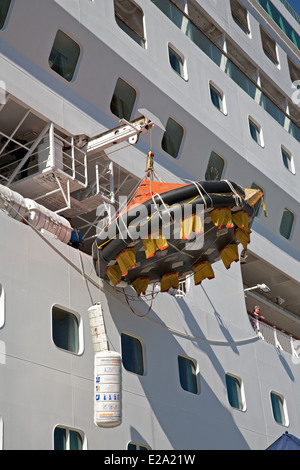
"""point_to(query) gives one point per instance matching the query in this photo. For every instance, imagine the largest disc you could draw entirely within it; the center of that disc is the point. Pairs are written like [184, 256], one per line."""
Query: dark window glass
[133, 446]
[215, 98]
[254, 131]
[60, 439]
[240, 15]
[234, 392]
[177, 62]
[214, 168]
[288, 160]
[4, 7]
[64, 55]
[172, 138]
[187, 374]
[286, 223]
[65, 330]
[75, 440]
[67, 439]
[269, 46]
[132, 354]
[123, 100]
[278, 408]
[130, 18]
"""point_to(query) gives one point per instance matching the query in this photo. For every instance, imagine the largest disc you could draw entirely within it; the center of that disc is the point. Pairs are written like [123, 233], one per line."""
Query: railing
[277, 338]
[280, 20]
[68, 158]
[50, 151]
[220, 58]
[291, 10]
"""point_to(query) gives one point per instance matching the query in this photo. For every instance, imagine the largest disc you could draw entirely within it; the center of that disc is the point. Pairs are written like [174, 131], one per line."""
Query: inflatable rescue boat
[170, 231]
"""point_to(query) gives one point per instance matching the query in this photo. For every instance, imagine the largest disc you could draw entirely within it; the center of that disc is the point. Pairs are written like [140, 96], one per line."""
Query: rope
[87, 278]
[235, 194]
[133, 311]
[206, 340]
[84, 278]
[198, 185]
[163, 203]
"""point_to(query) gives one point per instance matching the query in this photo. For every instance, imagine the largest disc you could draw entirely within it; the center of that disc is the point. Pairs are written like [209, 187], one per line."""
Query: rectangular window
[240, 15]
[187, 374]
[279, 408]
[256, 132]
[177, 62]
[136, 446]
[217, 98]
[123, 100]
[214, 168]
[172, 138]
[65, 330]
[64, 55]
[130, 18]
[269, 46]
[4, 8]
[235, 392]
[286, 224]
[288, 160]
[294, 71]
[67, 439]
[132, 354]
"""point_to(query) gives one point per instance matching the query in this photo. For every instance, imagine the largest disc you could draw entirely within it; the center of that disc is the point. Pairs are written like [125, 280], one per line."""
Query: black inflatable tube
[190, 190]
[116, 245]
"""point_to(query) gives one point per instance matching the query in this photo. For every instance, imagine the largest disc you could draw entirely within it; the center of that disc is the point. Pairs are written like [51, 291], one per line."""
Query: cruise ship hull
[48, 386]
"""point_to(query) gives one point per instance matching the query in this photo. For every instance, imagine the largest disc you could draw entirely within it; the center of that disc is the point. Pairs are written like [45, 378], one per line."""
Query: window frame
[79, 329]
[195, 373]
[242, 397]
[68, 431]
[294, 70]
[6, 19]
[166, 135]
[270, 52]
[128, 28]
[243, 23]
[291, 230]
[221, 97]
[137, 369]
[290, 166]
[260, 140]
[283, 410]
[75, 68]
[212, 154]
[138, 446]
[119, 85]
[181, 60]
